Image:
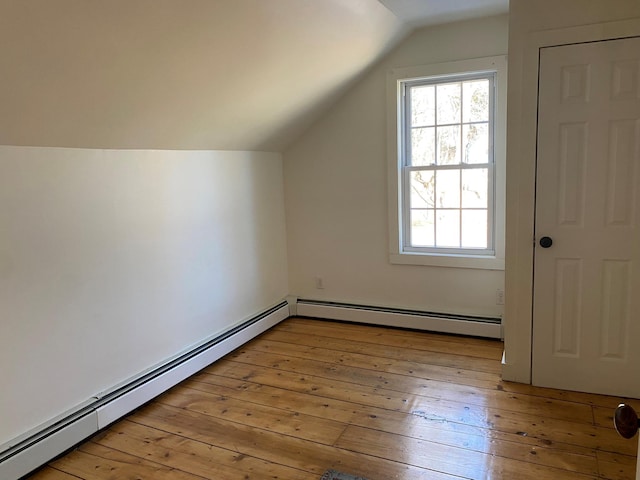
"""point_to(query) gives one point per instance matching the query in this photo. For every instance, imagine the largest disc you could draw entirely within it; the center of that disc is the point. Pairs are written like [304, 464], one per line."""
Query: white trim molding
[395, 78]
[523, 108]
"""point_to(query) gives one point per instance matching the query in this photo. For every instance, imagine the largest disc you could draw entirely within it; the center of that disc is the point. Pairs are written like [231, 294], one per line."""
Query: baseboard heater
[490, 327]
[36, 450]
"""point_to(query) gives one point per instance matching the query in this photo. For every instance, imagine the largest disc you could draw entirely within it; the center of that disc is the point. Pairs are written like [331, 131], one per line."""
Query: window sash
[406, 210]
[406, 167]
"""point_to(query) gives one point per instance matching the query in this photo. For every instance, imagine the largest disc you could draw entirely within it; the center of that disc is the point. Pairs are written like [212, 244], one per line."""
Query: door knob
[625, 419]
[546, 242]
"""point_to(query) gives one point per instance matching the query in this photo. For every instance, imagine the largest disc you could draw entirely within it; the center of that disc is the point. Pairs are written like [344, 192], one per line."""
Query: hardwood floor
[381, 403]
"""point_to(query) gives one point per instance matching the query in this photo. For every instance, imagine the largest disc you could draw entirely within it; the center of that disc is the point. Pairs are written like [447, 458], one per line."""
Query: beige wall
[112, 261]
[336, 192]
[180, 74]
[532, 24]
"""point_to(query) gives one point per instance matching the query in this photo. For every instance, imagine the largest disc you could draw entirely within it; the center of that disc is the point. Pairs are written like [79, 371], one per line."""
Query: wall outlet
[319, 283]
[499, 296]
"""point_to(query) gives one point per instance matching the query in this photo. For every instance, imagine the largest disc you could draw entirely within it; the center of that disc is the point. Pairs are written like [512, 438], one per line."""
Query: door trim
[521, 178]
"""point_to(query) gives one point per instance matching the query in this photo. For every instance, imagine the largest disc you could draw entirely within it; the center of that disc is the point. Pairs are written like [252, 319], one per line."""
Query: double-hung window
[447, 167]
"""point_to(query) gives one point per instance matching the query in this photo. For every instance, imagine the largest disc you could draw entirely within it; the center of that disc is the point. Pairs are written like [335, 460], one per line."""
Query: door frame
[521, 180]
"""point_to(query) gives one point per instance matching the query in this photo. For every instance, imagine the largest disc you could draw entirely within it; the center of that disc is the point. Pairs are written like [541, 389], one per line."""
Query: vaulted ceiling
[190, 74]
[418, 13]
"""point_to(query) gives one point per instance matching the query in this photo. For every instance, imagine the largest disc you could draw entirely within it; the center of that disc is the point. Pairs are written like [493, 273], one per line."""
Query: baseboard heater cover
[489, 327]
[39, 448]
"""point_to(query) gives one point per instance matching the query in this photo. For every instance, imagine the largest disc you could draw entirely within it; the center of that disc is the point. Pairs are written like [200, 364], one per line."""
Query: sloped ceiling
[431, 12]
[181, 74]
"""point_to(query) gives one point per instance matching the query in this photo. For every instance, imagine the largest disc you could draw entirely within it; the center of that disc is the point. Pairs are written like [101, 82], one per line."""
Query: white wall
[114, 260]
[336, 192]
[530, 23]
[176, 74]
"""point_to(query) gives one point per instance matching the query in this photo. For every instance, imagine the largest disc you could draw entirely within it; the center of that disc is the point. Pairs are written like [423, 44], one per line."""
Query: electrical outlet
[319, 283]
[499, 296]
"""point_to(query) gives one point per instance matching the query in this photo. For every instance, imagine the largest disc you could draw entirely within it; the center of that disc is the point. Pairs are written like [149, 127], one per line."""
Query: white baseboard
[293, 305]
[460, 325]
[50, 446]
[39, 448]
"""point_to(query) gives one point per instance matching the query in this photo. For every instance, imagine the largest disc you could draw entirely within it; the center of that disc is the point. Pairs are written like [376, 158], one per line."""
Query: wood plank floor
[381, 403]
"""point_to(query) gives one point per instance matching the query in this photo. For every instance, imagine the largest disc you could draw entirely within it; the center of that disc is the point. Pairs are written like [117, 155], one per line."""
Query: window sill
[450, 261]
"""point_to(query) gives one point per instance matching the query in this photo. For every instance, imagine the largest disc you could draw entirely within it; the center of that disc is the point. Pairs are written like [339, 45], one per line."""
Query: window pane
[448, 145]
[448, 228]
[422, 189]
[475, 184]
[422, 232]
[448, 189]
[476, 101]
[448, 96]
[423, 146]
[475, 141]
[423, 105]
[474, 228]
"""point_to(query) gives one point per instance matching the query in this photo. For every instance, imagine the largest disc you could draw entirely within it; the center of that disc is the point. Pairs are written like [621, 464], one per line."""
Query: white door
[586, 319]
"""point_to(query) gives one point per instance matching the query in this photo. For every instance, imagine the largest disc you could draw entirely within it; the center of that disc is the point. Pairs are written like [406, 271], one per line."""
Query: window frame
[397, 80]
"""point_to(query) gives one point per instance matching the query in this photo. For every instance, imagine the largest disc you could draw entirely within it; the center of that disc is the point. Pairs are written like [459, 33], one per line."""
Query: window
[447, 164]
[446, 180]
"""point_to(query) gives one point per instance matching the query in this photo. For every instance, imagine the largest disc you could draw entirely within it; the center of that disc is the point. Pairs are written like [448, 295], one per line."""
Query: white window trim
[394, 160]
